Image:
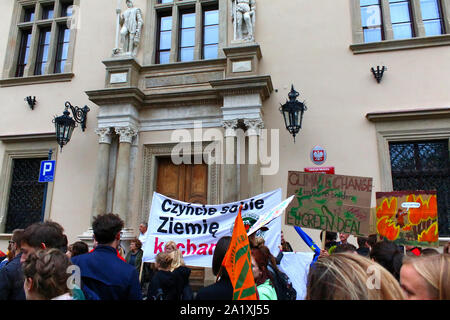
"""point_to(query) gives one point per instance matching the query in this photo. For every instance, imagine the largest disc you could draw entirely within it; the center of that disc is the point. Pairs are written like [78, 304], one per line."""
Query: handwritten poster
[330, 202]
[408, 217]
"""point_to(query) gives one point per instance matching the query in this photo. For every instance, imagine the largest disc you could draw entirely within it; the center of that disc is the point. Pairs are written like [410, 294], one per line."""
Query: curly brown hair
[48, 271]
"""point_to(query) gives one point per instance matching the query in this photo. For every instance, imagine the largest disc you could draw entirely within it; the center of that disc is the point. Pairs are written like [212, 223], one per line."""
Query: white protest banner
[296, 266]
[270, 215]
[196, 228]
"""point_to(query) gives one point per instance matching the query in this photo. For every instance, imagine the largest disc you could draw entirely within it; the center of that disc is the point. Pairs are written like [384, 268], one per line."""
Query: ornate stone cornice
[104, 135]
[126, 134]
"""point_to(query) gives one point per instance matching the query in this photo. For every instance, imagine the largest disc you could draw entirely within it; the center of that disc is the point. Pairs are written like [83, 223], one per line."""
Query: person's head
[129, 3]
[14, 243]
[219, 253]
[77, 248]
[135, 245]
[107, 228]
[143, 227]
[163, 261]
[389, 256]
[260, 262]
[347, 276]
[363, 242]
[426, 277]
[329, 236]
[45, 273]
[177, 259]
[371, 240]
[347, 247]
[42, 235]
[170, 246]
[343, 237]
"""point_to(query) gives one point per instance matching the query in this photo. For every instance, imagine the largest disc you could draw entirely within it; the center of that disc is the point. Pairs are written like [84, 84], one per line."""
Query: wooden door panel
[196, 184]
[187, 183]
[171, 179]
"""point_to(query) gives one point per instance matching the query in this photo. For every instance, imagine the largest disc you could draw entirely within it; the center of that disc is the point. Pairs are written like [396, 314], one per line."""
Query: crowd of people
[39, 265]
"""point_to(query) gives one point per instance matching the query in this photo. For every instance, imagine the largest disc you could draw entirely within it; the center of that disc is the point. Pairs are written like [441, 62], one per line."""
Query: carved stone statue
[243, 16]
[130, 24]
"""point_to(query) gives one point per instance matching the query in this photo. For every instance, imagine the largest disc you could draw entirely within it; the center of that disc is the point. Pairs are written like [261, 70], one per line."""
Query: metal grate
[26, 194]
[424, 165]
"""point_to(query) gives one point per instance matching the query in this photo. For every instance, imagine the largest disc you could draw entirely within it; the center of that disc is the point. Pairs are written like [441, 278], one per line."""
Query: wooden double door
[188, 183]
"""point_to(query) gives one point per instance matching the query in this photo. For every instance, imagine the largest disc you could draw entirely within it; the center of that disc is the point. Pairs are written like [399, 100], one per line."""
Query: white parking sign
[47, 171]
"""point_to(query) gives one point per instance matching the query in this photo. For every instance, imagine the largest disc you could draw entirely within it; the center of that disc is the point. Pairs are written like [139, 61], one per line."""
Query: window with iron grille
[26, 194]
[424, 165]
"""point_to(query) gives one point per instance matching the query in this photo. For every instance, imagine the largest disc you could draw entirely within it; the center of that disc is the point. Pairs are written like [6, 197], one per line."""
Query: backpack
[283, 286]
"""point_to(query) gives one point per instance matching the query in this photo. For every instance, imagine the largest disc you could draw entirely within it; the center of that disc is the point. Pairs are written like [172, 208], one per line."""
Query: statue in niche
[130, 25]
[243, 16]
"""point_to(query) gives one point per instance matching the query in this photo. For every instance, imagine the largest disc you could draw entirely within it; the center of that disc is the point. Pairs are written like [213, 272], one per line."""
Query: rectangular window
[26, 195]
[62, 48]
[210, 33]
[47, 12]
[187, 36]
[424, 165]
[42, 51]
[66, 9]
[371, 20]
[165, 1]
[28, 14]
[401, 19]
[431, 16]
[164, 39]
[24, 52]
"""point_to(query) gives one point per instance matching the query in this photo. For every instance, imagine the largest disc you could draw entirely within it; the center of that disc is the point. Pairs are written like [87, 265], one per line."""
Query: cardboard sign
[408, 217]
[329, 202]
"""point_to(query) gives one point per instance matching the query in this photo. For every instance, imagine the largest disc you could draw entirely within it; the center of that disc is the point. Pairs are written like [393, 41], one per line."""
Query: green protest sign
[330, 202]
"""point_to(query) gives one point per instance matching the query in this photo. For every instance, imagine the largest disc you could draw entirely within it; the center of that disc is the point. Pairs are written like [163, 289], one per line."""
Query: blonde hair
[177, 259]
[164, 260]
[171, 244]
[347, 276]
[435, 269]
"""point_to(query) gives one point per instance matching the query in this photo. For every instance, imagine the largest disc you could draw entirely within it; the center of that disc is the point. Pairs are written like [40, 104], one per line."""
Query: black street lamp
[292, 112]
[65, 124]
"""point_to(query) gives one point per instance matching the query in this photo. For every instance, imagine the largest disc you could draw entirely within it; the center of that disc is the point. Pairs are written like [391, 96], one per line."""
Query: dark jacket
[221, 290]
[106, 276]
[184, 289]
[11, 280]
[138, 261]
[163, 286]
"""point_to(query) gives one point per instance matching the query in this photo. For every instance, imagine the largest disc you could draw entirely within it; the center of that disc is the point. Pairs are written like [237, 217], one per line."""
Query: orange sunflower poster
[408, 217]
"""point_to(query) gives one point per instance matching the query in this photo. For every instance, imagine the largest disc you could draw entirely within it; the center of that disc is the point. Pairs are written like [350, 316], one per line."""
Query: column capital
[126, 134]
[104, 135]
[254, 126]
[230, 127]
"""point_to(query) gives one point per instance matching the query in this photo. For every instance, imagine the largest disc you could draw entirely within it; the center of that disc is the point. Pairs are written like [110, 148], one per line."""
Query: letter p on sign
[47, 171]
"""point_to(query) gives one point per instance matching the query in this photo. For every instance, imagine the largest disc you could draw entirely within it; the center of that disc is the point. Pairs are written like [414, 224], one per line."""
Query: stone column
[101, 179]
[255, 179]
[231, 187]
[120, 201]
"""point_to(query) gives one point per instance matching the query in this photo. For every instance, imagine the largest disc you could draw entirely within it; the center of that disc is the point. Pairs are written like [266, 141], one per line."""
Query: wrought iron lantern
[378, 73]
[31, 102]
[65, 124]
[292, 112]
